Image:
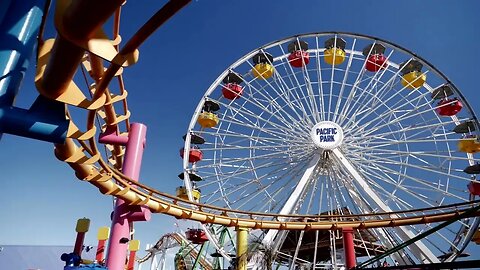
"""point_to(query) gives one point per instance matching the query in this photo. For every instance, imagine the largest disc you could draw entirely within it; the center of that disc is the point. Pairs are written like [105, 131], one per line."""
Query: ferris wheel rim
[284, 40]
[352, 34]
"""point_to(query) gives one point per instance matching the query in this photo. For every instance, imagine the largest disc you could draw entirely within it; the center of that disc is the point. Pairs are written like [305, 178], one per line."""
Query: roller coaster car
[195, 155]
[449, 107]
[298, 54]
[196, 236]
[469, 145]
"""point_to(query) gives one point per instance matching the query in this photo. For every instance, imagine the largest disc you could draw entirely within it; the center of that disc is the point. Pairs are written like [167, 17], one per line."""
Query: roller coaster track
[84, 46]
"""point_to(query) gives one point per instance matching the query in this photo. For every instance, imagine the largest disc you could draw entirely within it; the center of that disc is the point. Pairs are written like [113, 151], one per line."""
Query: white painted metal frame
[399, 151]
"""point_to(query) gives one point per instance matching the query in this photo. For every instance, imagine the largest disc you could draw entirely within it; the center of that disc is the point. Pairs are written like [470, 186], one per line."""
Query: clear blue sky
[41, 198]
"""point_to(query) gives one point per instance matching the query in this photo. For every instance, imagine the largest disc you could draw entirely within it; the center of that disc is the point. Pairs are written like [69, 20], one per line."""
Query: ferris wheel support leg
[242, 243]
[349, 248]
[292, 201]
[123, 214]
[418, 248]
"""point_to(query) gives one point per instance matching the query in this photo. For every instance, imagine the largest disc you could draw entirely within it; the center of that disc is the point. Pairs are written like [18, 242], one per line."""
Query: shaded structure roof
[363, 239]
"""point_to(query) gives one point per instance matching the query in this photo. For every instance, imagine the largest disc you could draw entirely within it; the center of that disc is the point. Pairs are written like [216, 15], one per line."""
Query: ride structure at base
[73, 260]
[379, 143]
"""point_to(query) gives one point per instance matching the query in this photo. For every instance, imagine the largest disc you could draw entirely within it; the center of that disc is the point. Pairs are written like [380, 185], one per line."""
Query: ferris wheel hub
[327, 135]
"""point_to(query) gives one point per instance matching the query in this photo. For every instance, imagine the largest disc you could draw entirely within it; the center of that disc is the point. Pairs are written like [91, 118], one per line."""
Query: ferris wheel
[337, 124]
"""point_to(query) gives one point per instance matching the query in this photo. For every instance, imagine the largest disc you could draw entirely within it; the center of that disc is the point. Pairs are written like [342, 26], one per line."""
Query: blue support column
[19, 25]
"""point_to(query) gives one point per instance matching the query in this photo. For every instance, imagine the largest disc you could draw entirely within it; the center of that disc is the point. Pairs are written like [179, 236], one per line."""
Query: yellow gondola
[334, 51]
[412, 75]
[414, 80]
[263, 71]
[263, 68]
[182, 193]
[334, 56]
[469, 145]
[207, 120]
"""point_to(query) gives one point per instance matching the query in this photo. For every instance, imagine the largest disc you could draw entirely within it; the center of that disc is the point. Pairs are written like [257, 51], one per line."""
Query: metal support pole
[133, 247]
[19, 25]
[242, 244]
[123, 214]
[349, 248]
[83, 225]
[102, 237]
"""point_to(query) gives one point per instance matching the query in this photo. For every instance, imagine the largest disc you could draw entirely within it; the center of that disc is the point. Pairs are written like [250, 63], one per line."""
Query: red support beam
[349, 248]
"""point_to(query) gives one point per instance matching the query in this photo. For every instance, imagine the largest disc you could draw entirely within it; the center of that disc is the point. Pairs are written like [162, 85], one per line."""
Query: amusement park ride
[319, 148]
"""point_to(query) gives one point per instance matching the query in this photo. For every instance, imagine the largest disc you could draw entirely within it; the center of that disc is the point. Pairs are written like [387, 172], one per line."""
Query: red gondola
[474, 188]
[232, 88]
[232, 91]
[195, 155]
[449, 107]
[376, 59]
[375, 62]
[299, 56]
[196, 236]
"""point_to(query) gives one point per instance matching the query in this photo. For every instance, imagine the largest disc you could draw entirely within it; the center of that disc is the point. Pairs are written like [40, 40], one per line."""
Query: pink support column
[349, 248]
[124, 214]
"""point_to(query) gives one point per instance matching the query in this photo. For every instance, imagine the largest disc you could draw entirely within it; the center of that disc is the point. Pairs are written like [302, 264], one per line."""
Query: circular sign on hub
[327, 135]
